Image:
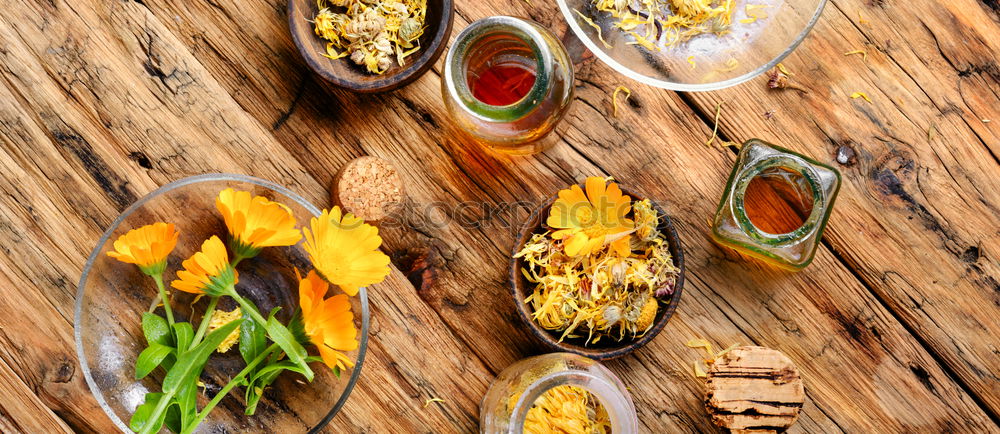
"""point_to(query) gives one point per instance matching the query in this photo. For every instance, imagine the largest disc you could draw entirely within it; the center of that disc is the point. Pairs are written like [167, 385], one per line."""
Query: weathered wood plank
[415, 144]
[22, 411]
[56, 204]
[132, 88]
[918, 215]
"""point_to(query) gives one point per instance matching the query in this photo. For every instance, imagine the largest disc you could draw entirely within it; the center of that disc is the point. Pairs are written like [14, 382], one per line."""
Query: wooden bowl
[520, 288]
[344, 73]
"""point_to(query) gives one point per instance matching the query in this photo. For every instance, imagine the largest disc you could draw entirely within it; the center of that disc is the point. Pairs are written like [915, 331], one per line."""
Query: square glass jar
[733, 227]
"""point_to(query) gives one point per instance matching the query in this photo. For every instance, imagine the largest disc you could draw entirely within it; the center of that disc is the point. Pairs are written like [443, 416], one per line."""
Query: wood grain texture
[20, 409]
[103, 101]
[912, 199]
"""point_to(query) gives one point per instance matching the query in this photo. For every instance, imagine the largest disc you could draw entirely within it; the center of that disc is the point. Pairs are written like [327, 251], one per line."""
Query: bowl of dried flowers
[225, 303]
[370, 45]
[596, 270]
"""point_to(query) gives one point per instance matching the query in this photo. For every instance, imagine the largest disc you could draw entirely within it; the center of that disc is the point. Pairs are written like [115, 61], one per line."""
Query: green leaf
[256, 386]
[284, 338]
[187, 402]
[276, 369]
[190, 364]
[253, 338]
[156, 330]
[184, 333]
[150, 358]
[142, 414]
[173, 419]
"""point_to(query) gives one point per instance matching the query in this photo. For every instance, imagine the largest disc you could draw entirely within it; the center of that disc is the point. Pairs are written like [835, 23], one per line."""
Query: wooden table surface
[894, 326]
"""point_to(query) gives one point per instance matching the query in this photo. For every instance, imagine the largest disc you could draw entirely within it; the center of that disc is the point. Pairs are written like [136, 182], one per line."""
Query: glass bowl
[112, 295]
[705, 62]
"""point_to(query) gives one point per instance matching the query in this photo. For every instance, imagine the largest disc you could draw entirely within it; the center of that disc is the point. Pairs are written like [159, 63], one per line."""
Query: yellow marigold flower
[146, 247]
[255, 222]
[207, 271]
[329, 323]
[586, 223]
[221, 318]
[344, 250]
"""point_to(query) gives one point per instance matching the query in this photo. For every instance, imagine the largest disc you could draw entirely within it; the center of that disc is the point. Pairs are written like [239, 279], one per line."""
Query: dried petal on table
[614, 99]
[857, 95]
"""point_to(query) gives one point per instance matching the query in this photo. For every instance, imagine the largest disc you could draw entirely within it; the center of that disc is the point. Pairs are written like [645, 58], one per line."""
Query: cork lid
[368, 187]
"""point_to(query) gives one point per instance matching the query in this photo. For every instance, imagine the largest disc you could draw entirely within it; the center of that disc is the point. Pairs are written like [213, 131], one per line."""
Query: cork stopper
[368, 187]
[754, 389]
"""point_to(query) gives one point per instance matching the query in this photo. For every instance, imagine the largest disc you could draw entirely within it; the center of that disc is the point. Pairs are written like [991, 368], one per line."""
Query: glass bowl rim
[208, 177]
[684, 87]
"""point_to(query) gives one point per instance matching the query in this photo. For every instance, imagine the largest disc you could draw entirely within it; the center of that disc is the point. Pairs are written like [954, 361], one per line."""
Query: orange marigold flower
[255, 222]
[344, 250]
[207, 271]
[147, 247]
[586, 223]
[329, 323]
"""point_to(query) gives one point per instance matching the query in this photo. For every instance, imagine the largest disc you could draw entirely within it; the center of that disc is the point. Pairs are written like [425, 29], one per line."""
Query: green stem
[247, 307]
[166, 301]
[229, 386]
[155, 415]
[207, 318]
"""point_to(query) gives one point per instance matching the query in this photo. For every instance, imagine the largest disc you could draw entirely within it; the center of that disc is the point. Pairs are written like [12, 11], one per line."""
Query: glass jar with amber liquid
[776, 205]
[507, 83]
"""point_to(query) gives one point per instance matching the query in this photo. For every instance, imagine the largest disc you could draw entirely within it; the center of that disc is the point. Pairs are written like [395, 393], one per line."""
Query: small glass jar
[514, 391]
[800, 190]
[511, 45]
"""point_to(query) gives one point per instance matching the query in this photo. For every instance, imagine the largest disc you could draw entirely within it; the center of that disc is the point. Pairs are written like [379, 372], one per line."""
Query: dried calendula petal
[863, 53]
[857, 95]
[728, 349]
[698, 371]
[700, 343]
[715, 129]
[591, 22]
[614, 98]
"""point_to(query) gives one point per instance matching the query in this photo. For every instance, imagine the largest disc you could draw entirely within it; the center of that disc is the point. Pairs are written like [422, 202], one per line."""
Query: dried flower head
[779, 78]
[371, 33]
[567, 409]
[219, 319]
